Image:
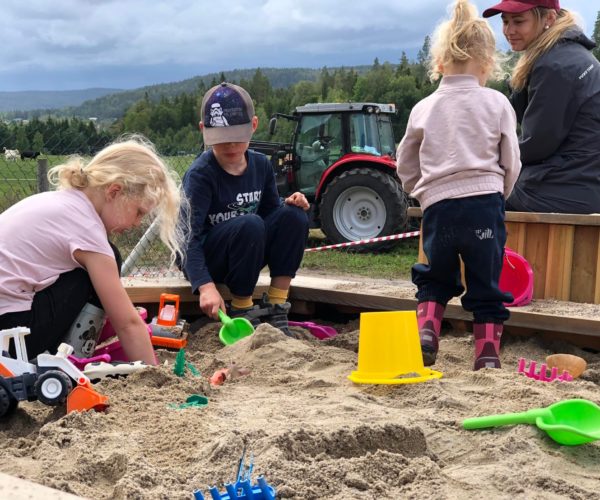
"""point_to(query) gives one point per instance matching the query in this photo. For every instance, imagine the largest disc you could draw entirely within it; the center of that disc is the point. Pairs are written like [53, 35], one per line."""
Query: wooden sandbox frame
[348, 295]
[562, 249]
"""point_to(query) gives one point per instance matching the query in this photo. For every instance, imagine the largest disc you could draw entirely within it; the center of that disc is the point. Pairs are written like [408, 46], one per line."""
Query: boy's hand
[298, 200]
[211, 301]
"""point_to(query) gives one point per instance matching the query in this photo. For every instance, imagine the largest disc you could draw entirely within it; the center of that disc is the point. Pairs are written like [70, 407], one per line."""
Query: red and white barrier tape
[391, 237]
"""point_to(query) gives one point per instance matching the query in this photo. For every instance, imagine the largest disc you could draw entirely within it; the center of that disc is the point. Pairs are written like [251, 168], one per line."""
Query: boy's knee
[294, 217]
[251, 224]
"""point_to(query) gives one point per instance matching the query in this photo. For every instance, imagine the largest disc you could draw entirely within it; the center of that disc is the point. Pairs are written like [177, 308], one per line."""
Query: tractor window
[318, 145]
[386, 135]
[371, 133]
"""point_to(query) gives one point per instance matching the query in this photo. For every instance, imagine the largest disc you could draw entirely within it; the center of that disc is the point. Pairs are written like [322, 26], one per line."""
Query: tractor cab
[327, 132]
[342, 158]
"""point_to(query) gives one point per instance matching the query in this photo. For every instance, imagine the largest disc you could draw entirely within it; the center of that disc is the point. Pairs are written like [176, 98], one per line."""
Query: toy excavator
[168, 330]
[50, 380]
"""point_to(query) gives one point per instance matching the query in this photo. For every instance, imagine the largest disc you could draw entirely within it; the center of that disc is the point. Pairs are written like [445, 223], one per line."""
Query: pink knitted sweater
[460, 141]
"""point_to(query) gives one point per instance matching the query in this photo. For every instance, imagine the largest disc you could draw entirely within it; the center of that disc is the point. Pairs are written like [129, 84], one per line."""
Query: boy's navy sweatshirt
[216, 196]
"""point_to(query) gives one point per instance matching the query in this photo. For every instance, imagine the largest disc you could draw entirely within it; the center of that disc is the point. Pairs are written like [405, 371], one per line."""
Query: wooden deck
[562, 249]
[574, 322]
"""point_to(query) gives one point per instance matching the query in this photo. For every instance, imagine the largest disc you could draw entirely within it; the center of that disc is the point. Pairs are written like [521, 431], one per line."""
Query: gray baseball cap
[227, 112]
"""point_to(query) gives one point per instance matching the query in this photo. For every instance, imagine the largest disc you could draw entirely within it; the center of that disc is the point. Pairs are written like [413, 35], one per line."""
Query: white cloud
[82, 36]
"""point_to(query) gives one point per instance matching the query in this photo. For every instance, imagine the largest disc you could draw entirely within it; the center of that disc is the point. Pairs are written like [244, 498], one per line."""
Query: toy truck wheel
[363, 203]
[8, 404]
[53, 387]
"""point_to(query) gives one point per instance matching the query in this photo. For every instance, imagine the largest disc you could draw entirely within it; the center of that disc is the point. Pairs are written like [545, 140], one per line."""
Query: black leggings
[54, 310]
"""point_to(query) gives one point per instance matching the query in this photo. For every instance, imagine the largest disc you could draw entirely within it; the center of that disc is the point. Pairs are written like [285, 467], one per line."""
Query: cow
[30, 154]
[11, 154]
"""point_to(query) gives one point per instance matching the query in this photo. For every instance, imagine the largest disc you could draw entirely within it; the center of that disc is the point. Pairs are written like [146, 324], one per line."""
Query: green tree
[38, 142]
[22, 142]
[404, 67]
[596, 37]
[423, 56]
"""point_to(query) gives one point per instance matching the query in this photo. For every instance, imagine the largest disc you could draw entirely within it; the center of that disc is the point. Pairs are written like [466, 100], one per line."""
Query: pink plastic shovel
[319, 331]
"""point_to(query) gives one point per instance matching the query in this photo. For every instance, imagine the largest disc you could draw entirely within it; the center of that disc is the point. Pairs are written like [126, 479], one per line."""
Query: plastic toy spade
[319, 331]
[570, 422]
[234, 329]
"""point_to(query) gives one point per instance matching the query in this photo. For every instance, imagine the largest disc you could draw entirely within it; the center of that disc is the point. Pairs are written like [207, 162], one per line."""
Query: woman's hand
[298, 200]
[211, 301]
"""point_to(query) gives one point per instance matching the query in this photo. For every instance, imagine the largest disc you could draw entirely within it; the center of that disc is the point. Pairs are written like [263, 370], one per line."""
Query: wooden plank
[597, 276]
[143, 290]
[385, 297]
[551, 218]
[516, 233]
[422, 258]
[536, 253]
[584, 272]
[537, 218]
[559, 261]
[17, 488]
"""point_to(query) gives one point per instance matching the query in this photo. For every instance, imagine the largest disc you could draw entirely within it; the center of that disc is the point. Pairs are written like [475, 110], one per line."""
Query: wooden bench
[562, 249]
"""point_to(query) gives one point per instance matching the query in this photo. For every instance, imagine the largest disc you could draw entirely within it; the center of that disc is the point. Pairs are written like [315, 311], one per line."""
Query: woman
[556, 96]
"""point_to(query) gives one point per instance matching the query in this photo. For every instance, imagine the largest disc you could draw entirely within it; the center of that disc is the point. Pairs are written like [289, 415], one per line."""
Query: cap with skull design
[227, 112]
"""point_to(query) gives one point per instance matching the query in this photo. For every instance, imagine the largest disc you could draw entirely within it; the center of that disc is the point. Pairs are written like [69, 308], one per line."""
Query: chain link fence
[23, 172]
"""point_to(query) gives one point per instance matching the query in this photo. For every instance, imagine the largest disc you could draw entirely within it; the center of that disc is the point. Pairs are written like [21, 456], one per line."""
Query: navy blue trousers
[237, 250]
[473, 229]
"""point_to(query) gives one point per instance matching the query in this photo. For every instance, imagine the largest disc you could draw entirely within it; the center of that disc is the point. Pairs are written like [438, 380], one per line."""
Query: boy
[238, 222]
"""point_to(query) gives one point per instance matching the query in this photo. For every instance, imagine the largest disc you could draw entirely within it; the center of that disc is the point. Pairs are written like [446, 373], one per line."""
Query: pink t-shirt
[38, 236]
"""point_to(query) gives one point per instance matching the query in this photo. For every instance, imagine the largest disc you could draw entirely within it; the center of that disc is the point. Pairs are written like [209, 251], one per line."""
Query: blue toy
[242, 489]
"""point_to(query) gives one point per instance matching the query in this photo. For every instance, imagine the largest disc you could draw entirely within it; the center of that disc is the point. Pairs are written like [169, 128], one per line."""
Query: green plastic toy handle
[527, 417]
[226, 320]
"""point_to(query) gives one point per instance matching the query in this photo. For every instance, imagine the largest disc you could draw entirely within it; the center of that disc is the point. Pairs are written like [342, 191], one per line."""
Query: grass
[394, 264]
[18, 180]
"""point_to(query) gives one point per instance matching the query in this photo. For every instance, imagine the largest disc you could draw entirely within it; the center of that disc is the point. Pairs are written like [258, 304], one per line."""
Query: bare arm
[128, 324]
[210, 300]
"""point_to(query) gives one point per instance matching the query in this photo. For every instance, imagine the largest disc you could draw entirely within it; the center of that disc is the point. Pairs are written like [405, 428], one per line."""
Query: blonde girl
[459, 158]
[57, 266]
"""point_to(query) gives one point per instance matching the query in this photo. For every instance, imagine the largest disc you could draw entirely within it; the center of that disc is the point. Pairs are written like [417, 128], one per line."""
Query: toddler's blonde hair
[465, 36]
[132, 162]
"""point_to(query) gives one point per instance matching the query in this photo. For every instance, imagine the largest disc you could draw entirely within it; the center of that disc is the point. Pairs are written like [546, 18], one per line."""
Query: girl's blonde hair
[546, 40]
[464, 37]
[132, 162]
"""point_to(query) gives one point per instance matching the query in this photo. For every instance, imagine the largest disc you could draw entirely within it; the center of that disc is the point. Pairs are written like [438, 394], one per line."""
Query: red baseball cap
[518, 6]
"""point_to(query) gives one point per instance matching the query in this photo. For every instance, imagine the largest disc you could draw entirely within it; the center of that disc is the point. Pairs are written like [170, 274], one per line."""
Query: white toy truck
[50, 381]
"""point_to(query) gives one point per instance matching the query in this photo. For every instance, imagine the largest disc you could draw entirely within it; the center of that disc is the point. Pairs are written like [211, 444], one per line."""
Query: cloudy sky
[75, 44]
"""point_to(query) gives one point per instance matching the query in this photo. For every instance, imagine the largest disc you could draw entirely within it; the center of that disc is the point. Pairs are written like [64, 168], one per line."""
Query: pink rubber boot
[487, 345]
[429, 321]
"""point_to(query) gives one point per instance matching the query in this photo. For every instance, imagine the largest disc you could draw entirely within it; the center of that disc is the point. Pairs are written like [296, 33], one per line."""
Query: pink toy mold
[542, 374]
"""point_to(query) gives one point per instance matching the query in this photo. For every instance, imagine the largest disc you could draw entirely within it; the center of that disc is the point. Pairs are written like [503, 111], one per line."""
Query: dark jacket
[216, 196]
[559, 113]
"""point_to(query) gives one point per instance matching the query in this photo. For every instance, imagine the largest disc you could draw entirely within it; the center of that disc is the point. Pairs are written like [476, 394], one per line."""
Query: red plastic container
[516, 278]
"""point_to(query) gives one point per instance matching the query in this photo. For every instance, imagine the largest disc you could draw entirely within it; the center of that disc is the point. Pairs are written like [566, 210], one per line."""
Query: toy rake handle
[527, 417]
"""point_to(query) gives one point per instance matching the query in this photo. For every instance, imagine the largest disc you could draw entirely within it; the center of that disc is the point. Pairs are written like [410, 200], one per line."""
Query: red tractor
[342, 158]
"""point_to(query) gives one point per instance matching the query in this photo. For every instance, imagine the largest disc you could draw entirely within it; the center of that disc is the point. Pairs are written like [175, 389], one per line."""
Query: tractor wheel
[53, 387]
[8, 404]
[363, 203]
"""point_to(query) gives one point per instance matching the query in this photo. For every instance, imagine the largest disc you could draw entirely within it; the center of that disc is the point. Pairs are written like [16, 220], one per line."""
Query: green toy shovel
[569, 422]
[234, 329]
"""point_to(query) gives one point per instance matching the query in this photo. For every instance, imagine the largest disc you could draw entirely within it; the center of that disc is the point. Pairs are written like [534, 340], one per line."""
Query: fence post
[146, 240]
[42, 176]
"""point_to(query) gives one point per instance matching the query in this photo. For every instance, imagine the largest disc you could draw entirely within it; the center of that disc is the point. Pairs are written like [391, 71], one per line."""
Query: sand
[312, 432]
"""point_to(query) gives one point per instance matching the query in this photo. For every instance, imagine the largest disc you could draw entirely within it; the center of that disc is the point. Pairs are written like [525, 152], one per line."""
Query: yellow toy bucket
[389, 351]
